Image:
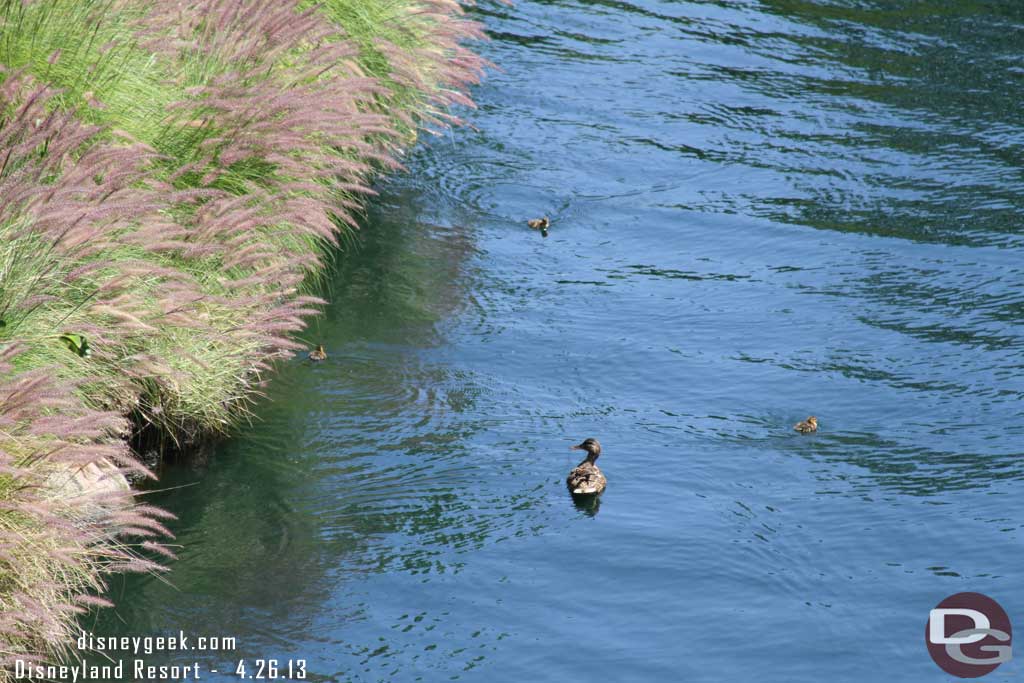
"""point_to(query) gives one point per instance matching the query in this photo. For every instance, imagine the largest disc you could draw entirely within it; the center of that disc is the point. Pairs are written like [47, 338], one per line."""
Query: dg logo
[969, 635]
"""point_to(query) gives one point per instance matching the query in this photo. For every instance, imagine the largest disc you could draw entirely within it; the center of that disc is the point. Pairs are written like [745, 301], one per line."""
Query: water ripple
[761, 210]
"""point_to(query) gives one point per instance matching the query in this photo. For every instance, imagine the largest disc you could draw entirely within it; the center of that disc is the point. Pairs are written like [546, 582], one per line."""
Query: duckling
[586, 478]
[807, 426]
[541, 224]
[318, 354]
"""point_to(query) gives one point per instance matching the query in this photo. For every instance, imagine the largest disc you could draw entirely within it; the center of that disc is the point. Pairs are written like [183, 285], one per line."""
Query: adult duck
[586, 478]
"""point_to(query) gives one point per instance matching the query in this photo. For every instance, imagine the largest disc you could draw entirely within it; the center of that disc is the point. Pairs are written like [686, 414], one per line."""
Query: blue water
[761, 211]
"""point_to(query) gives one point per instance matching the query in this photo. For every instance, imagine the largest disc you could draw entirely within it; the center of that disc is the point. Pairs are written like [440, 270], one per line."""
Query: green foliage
[176, 184]
[77, 344]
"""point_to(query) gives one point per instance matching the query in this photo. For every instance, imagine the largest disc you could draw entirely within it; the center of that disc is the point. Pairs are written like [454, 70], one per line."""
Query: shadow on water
[359, 461]
[587, 504]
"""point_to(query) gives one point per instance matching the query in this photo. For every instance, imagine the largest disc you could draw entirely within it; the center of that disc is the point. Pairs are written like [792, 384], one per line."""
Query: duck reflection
[587, 504]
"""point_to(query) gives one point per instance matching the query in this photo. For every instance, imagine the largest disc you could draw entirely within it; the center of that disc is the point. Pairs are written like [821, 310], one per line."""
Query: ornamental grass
[173, 175]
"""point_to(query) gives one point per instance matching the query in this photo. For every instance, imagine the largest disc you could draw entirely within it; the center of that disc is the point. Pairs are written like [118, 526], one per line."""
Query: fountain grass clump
[172, 176]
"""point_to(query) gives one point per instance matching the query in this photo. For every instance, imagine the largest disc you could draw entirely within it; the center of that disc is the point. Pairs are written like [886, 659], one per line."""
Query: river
[760, 211]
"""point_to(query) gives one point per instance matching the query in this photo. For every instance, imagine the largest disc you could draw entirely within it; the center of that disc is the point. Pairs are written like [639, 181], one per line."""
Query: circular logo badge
[968, 635]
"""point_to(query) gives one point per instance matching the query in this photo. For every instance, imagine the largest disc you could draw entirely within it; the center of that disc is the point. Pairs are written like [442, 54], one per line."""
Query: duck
[807, 426]
[541, 224]
[318, 354]
[586, 478]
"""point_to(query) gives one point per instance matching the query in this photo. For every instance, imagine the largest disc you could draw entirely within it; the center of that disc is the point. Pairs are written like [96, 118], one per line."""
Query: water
[761, 211]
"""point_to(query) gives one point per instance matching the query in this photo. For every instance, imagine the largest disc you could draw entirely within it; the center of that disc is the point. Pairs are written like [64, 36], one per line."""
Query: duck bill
[577, 447]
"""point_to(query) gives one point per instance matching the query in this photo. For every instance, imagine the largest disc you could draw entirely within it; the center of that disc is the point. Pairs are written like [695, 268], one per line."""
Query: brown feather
[807, 426]
[586, 478]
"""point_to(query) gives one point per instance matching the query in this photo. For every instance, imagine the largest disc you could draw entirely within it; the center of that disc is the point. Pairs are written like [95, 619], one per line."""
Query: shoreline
[171, 185]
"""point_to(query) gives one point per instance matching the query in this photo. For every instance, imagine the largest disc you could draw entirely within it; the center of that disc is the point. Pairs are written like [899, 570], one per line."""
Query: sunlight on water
[761, 211]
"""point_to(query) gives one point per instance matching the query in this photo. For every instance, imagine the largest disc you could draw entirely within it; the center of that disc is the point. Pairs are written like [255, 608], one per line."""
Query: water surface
[761, 211]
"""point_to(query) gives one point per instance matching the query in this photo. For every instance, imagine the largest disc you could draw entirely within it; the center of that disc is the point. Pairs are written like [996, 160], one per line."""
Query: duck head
[813, 421]
[591, 446]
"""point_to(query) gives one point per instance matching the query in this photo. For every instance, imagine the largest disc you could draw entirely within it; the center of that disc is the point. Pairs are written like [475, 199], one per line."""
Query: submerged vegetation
[172, 175]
